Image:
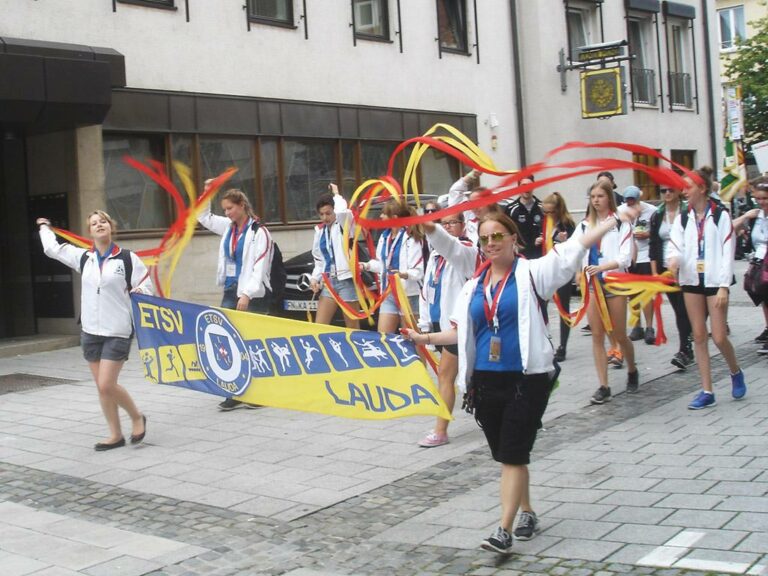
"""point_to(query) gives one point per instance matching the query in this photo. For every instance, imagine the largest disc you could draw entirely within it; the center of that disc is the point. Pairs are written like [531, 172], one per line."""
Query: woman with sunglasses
[701, 255]
[451, 263]
[399, 251]
[506, 354]
[613, 252]
[554, 206]
[659, 249]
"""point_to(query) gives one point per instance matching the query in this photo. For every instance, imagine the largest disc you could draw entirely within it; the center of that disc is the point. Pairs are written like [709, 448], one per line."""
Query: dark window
[218, 154]
[371, 18]
[452, 25]
[309, 166]
[151, 3]
[271, 11]
[270, 179]
[643, 74]
[133, 200]
[685, 158]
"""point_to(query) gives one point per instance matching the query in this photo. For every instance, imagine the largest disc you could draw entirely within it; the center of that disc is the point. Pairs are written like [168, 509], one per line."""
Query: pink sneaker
[432, 440]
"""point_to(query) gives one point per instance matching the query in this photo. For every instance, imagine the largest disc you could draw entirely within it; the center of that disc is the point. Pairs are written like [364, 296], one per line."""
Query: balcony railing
[643, 86]
[680, 89]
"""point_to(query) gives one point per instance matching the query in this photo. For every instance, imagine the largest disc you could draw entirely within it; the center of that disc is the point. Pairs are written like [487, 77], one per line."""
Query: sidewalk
[636, 486]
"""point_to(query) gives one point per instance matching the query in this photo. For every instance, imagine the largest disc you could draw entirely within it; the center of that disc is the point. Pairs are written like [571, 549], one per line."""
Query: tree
[749, 67]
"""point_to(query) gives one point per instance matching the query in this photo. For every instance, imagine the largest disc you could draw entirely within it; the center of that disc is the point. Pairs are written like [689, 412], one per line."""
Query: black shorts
[641, 268]
[700, 289]
[96, 348]
[452, 348]
[509, 408]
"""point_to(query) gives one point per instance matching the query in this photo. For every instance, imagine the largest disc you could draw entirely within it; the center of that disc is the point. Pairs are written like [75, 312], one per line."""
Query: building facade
[300, 93]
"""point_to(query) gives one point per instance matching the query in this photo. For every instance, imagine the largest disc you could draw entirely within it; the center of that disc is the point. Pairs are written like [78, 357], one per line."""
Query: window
[270, 180]
[684, 158]
[642, 180]
[438, 171]
[309, 167]
[578, 35]
[218, 154]
[271, 11]
[151, 3]
[643, 75]
[452, 25]
[732, 27]
[182, 150]
[133, 200]
[371, 18]
[679, 54]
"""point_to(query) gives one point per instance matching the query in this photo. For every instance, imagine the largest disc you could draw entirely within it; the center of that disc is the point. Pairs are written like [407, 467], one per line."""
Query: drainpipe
[516, 74]
[710, 86]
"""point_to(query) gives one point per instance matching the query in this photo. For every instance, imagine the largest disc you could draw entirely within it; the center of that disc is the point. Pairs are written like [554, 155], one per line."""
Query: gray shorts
[97, 348]
[344, 288]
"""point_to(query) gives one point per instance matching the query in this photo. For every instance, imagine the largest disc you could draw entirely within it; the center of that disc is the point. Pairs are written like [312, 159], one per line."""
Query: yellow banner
[282, 363]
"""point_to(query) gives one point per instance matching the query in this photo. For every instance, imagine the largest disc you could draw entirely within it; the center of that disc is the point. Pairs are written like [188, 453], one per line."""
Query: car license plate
[299, 305]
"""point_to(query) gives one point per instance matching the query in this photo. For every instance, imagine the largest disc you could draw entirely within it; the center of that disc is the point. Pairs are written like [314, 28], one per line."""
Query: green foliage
[749, 67]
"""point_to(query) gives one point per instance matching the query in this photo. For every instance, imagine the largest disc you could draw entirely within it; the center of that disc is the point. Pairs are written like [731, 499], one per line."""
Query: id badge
[700, 266]
[231, 269]
[494, 349]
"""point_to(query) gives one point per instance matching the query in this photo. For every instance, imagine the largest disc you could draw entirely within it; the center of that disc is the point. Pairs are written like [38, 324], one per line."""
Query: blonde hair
[238, 197]
[105, 216]
[606, 187]
[561, 215]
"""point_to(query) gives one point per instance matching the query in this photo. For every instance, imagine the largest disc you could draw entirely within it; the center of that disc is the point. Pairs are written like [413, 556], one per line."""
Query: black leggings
[564, 293]
[677, 301]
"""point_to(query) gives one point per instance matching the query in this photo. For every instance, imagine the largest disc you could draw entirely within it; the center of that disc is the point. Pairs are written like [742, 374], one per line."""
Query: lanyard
[700, 227]
[491, 304]
[392, 248]
[440, 264]
[235, 238]
[326, 247]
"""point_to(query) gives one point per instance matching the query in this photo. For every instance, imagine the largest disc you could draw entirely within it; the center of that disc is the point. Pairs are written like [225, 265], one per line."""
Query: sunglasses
[666, 191]
[430, 210]
[451, 223]
[496, 237]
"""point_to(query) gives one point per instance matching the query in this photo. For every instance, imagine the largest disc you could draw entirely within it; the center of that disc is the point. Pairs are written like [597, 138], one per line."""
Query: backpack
[277, 274]
[125, 256]
[717, 211]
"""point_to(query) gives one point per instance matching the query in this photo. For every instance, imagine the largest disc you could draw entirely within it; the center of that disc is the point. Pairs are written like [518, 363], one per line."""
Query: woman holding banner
[331, 265]
[244, 260]
[506, 356]
[108, 275]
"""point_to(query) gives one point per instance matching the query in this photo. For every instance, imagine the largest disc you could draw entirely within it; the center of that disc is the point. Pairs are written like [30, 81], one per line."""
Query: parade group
[479, 283]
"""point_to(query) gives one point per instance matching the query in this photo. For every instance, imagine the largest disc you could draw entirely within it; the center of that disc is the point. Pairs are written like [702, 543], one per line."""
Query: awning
[48, 86]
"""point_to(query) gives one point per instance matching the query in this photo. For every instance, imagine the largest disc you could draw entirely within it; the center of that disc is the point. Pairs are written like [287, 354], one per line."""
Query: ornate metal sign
[602, 92]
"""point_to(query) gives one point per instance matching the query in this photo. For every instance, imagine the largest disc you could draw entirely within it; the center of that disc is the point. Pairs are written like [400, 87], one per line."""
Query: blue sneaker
[702, 400]
[738, 387]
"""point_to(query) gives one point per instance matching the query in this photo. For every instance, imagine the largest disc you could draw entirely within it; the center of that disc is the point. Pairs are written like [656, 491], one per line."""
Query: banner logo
[224, 358]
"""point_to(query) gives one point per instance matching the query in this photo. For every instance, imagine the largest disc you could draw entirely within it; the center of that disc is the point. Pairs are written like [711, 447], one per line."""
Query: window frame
[465, 29]
[159, 4]
[731, 10]
[253, 18]
[386, 35]
[647, 28]
[641, 179]
[591, 13]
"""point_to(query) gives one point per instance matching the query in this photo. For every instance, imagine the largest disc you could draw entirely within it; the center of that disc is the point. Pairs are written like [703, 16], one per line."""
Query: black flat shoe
[101, 446]
[136, 439]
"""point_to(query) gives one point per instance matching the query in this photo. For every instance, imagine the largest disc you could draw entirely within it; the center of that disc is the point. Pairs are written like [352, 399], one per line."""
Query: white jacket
[338, 253]
[719, 250]
[457, 194]
[105, 304]
[411, 261]
[460, 262]
[258, 250]
[617, 245]
[548, 273]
